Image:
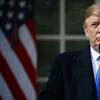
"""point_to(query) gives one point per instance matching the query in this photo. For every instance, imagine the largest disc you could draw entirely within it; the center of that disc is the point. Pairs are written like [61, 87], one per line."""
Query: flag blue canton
[13, 13]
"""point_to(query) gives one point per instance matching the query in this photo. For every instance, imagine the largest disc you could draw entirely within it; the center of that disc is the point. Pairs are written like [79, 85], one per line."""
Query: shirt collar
[94, 54]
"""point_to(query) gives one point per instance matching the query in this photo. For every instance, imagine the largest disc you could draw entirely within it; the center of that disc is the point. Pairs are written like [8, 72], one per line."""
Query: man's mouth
[98, 39]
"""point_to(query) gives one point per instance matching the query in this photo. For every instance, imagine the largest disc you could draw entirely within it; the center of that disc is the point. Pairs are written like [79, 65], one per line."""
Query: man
[73, 76]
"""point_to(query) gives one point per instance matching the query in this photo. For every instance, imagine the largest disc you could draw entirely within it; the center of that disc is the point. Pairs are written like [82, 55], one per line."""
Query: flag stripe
[28, 43]
[10, 80]
[4, 89]
[17, 69]
[32, 29]
[27, 64]
[28, 39]
[1, 98]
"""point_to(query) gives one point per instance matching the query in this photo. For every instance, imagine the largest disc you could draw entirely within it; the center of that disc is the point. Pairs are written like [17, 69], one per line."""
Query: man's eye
[94, 25]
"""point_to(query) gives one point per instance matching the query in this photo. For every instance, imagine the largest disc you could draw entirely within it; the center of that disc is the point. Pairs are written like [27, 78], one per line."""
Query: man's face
[92, 31]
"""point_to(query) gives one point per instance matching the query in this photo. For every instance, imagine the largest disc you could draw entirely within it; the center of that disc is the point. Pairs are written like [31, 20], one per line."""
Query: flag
[18, 53]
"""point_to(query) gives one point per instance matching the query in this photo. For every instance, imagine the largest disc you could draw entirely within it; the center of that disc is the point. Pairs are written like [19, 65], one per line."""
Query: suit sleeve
[54, 89]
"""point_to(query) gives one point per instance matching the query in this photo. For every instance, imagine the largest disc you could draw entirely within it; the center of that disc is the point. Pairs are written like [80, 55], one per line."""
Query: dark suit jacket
[71, 78]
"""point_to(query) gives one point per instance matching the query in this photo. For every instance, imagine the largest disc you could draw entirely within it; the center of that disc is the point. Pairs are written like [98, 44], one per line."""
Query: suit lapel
[83, 76]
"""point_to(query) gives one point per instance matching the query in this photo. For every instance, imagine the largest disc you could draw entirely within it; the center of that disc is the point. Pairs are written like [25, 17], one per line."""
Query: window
[59, 28]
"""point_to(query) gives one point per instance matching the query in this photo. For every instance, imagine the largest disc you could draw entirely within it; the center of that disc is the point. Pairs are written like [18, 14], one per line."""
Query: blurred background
[31, 38]
[59, 28]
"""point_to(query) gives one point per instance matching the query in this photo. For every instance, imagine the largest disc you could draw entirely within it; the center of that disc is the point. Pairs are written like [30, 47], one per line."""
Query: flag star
[2, 2]
[10, 14]
[1, 13]
[11, 3]
[22, 4]
[21, 16]
[8, 26]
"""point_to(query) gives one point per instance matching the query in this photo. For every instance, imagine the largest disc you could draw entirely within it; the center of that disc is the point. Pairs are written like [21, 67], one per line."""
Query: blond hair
[92, 10]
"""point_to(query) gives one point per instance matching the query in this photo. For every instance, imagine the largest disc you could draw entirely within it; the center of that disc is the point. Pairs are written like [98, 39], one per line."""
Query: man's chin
[97, 47]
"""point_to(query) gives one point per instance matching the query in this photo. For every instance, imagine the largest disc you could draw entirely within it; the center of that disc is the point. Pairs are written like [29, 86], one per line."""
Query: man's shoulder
[69, 54]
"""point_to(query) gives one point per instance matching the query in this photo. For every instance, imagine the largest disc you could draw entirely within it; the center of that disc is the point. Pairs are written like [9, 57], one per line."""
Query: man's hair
[92, 10]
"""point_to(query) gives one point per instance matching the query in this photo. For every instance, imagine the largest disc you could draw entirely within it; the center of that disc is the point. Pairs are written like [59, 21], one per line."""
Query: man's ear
[86, 33]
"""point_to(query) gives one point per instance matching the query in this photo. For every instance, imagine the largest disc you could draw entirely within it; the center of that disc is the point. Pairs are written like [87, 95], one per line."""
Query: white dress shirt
[95, 62]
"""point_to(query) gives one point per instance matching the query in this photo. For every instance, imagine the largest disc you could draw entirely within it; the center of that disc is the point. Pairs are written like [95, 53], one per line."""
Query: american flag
[18, 54]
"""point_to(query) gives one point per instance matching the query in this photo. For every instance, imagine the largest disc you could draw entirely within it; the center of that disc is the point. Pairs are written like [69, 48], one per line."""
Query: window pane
[75, 45]
[46, 16]
[74, 15]
[47, 50]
